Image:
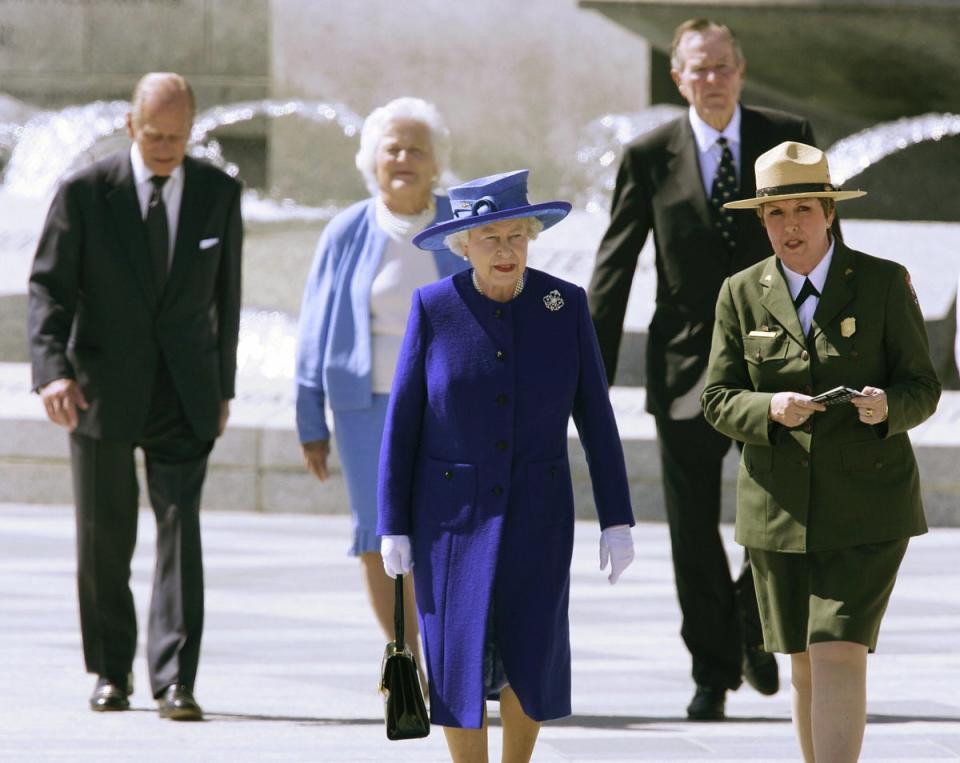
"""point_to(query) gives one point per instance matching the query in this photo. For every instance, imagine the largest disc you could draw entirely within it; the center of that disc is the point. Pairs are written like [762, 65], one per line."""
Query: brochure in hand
[837, 395]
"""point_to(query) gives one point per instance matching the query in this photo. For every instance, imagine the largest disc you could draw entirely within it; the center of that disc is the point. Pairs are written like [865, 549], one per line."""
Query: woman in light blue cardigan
[354, 311]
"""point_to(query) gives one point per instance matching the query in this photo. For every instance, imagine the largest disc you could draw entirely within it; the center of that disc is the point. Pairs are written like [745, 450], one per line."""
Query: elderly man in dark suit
[674, 181]
[133, 320]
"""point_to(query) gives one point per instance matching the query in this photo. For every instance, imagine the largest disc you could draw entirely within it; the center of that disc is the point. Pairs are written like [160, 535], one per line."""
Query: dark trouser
[106, 496]
[719, 614]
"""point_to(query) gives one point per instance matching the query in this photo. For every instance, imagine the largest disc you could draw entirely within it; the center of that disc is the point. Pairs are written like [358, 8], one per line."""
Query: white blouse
[403, 268]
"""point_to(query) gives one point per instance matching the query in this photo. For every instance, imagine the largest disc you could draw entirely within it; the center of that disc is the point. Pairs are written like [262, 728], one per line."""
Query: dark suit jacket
[97, 316]
[834, 482]
[659, 187]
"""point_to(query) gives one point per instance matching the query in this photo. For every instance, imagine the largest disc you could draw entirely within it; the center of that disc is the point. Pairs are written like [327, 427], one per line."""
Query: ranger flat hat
[793, 171]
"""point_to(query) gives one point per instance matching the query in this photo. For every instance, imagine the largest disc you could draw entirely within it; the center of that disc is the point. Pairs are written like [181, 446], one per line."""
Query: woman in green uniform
[827, 494]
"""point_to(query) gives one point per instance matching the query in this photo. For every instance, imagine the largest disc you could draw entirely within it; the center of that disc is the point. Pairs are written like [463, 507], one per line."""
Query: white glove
[397, 554]
[616, 545]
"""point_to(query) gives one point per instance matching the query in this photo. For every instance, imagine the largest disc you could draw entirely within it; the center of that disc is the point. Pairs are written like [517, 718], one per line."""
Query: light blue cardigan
[333, 347]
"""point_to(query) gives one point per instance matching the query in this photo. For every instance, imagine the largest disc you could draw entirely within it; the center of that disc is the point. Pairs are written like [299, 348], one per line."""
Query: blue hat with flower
[488, 200]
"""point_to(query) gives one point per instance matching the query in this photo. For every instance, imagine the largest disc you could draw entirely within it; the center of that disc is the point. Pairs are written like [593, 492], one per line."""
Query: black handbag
[404, 708]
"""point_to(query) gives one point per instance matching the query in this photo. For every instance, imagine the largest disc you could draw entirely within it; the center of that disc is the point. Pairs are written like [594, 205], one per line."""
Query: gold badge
[848, 326]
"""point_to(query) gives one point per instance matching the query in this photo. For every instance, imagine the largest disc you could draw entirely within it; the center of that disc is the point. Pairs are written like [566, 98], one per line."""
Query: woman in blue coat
[355, 307]
[475, 490]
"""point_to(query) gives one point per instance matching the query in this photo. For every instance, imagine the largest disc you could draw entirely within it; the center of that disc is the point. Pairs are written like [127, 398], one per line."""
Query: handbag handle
[398, 613]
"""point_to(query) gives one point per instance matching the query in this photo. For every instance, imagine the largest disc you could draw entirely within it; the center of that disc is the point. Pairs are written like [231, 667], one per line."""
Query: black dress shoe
[110, 696]
[177, 703]
[760, 670]
[707, 704]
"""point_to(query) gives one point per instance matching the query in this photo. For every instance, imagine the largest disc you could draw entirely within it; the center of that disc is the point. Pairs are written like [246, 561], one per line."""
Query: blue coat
[474, 468]
[333, 348]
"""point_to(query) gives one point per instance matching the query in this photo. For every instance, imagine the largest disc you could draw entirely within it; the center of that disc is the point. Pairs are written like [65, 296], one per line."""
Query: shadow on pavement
[872, 718]
[627, 721]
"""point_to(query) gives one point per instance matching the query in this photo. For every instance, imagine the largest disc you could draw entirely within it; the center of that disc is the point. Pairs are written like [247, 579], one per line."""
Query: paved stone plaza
[291, 657]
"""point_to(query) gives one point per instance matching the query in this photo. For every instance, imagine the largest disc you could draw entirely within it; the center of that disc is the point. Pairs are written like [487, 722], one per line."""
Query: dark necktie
[158, 234]
[807, 290]
[723, 190]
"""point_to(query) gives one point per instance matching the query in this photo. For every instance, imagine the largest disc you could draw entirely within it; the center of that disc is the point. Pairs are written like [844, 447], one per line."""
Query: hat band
[782, 190]
[482, 206]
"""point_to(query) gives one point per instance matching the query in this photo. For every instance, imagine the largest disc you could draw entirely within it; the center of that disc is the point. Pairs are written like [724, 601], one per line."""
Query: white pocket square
[206, 243]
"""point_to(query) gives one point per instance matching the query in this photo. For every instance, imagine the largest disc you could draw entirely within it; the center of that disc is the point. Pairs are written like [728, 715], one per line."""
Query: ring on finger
[868, 412]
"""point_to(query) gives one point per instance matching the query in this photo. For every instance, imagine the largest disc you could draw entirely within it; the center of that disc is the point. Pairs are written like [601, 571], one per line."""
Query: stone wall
[59, 52]
[516, 81]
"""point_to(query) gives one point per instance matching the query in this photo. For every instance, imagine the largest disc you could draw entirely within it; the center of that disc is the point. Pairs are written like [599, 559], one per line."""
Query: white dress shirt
[818, 277]
[709, 151]
[172, 193]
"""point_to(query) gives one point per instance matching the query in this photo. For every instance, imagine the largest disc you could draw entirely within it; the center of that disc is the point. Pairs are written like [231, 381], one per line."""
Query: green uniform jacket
[834, 482]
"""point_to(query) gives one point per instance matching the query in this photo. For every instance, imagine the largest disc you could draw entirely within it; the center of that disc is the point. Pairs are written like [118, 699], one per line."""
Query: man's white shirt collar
[142, 173]
[706, 136]
[709, 153]
[172, 191]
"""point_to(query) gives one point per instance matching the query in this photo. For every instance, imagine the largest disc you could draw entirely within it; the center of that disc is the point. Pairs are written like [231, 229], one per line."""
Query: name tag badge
[763, 334]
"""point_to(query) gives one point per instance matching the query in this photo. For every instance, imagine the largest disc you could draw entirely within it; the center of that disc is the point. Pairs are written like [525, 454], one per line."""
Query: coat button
[497, 490]
[501, 354]
[878, 464]
[804, 355]
[501, 444]
[501, 399]
[804, 462]
[807, 389]
[807, 427]
[448, 475]
[498, 313]
[854, 353]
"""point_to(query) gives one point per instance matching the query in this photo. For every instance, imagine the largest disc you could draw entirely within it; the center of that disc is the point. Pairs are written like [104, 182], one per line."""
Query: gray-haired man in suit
[674, 181]
[133, 321]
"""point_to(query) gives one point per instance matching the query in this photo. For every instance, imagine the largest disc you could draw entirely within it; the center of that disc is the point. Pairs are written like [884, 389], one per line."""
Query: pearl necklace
[403, 227]
[517, 287]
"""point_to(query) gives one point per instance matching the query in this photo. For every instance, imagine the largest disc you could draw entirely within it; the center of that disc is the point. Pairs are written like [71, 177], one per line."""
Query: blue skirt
[358, 435]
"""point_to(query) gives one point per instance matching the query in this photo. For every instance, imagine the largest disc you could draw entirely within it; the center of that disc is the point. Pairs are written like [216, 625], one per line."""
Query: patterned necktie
[806, 291]
[723, 190]
[158, 234]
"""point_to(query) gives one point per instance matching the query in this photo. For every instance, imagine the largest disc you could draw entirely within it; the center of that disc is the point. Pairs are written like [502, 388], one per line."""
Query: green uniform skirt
[836, 595]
